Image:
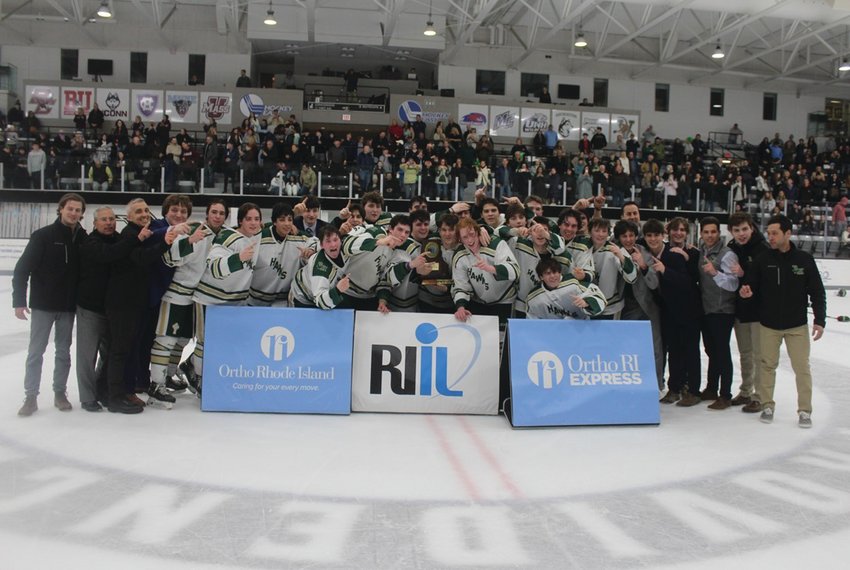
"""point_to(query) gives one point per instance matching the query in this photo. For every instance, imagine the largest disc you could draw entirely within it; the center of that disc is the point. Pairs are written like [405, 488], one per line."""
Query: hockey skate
[176, 384]
[159, 397]
[192, 378]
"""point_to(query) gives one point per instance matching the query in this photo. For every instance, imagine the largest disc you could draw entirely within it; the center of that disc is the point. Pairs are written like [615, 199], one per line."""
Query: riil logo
[427, 362]
[277, 343]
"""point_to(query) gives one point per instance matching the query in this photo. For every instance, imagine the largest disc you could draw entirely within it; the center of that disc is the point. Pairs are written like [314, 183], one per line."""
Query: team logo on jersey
[147, 103]
[277, 343]
[537, 121]
[545, 369]
[216, 107]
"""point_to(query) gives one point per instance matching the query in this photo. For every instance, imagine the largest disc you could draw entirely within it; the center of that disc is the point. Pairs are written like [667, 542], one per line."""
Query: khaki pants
[797, 344]
[749, 346]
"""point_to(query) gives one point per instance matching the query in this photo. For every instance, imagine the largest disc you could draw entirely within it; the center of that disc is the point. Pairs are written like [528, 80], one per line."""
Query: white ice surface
[187, 489]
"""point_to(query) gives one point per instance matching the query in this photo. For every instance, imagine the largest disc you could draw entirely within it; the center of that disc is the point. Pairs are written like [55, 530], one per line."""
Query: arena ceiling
[790, 42]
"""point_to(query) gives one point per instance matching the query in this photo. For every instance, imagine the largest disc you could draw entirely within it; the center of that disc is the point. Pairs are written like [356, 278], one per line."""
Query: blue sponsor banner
[268, 359]
[566, 372]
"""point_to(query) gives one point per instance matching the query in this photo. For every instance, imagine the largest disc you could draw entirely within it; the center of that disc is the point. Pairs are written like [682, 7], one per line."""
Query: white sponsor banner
[589, 122]
[75, 97]
[834, 272]
[182, 106]
[10, 252]
[43, 101]
[216, 106]
[148, 103]
[476, 116]
[254, 103]
[425, 363]
[624, 125]
[533, 120]
[504, 121]
[115, 104]
[567, 124]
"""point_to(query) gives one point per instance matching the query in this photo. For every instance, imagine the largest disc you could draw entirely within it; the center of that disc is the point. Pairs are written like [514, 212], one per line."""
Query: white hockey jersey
[189, 261]
[227, 278]
[474, 284]
[275, 265]
[557, 303]
[315, 283]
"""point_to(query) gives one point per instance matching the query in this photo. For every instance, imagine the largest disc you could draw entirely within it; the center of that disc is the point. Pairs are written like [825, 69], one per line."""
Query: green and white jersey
[474, 284]
[383, 221]
[582, 256]
[315, 283]
[366, 262]
[557, 303]
[439, 295]
[612, 276]
[227, 278]
[275, 265]
[528, 257]
[400, 286]
[189, 261]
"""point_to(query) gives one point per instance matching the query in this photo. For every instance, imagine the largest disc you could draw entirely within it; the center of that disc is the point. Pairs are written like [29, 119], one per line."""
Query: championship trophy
[440, 272]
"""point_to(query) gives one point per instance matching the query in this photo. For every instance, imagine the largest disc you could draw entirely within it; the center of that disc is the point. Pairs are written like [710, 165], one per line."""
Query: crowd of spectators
[275, 154]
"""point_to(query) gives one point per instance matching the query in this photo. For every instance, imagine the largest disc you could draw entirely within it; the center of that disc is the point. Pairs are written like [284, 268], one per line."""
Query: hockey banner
[425, 363]
[267, 359]
[570, 372]
[182, 106]
[74, 98]
[42, 100]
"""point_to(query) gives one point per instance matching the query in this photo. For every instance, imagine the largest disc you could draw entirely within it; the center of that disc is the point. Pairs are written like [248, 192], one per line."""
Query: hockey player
[569, 222]
[437, 298]
[485, 277]
[400, 289]
[373, 205]
[562, 297]
[282, 251]
[227, 277]
[613, 269]
[368, 253]
[639, 302]
[320, 282]
[176, 324]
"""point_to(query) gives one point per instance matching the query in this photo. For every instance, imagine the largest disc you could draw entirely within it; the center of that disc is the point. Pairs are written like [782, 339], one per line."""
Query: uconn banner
[265, 359]
[566, 372]
[424, 363]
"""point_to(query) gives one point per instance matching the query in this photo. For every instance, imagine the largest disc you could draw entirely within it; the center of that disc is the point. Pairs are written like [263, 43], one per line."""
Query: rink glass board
[565, 372]
[269, 359]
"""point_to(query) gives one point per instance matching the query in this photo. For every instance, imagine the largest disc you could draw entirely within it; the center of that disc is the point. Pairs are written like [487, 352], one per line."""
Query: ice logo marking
[277, 343]
[545, 370]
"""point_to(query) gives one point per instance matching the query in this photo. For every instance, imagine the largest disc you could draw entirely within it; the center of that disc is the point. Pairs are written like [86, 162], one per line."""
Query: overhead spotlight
[430, 30]
[270, 21]
[104, 11]
[580, 41]
[845, 65]
[718, 53]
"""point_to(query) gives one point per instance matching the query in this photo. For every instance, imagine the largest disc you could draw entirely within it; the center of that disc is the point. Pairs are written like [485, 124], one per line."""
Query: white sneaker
[766, 416]
[805, 420]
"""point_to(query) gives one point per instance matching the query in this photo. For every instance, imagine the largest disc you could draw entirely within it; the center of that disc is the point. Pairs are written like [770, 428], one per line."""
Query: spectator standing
[839, 216]
[36, 162]
[243, 80]
[95, 118]
[100, 176]
[50, 264]
[786, 279]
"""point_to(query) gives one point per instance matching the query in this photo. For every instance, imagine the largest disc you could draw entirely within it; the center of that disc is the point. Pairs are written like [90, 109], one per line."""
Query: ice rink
[186, 489]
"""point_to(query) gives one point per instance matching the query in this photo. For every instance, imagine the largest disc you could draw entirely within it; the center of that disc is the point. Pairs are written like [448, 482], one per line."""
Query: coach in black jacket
[126, 298]
[97, 254]
[785, 279]
[51, 264]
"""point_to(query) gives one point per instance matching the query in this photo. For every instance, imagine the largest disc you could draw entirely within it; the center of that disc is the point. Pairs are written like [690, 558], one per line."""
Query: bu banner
[566, 372]
[424, 363]
[264, 359]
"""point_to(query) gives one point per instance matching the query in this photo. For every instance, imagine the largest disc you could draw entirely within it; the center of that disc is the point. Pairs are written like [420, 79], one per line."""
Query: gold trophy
[440, 272]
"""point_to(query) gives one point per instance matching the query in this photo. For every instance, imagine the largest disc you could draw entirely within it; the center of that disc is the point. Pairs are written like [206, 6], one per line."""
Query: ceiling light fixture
[430, 30]
[718, 53]
[270, 21]
[104, 11]
[845, 65]
[580, 41]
